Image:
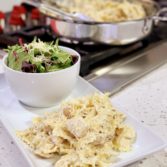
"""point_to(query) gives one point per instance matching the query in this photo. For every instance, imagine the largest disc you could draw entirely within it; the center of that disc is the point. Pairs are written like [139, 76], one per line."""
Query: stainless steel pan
[119, 33]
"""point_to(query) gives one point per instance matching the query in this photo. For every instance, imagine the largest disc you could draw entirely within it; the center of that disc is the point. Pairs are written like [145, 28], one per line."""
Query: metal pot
[120, 33]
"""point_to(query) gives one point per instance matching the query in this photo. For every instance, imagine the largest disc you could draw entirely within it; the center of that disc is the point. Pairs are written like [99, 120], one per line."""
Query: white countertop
[148, 97]
[148, 103]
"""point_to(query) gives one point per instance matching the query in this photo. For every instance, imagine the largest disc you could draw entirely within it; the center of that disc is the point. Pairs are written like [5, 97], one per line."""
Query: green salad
[38, 57]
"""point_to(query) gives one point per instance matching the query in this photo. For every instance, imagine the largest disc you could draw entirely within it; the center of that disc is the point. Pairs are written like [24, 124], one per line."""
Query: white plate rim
[6, 122]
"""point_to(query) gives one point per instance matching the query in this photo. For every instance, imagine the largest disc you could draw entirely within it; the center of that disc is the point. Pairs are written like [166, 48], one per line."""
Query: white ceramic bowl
[43, 89]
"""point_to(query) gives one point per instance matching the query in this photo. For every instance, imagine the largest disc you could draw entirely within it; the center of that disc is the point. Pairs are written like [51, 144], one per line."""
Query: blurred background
[7, 5]
[19, 19]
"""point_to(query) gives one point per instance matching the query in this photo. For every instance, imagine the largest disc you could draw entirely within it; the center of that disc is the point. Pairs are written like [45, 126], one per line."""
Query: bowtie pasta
[84, 132]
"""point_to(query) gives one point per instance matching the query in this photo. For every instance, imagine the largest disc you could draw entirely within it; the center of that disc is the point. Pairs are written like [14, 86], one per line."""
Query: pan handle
[159, 16]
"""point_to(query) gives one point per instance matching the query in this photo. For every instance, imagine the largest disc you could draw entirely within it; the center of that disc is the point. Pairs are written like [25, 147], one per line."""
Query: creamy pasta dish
[105, 10]
[84, 132]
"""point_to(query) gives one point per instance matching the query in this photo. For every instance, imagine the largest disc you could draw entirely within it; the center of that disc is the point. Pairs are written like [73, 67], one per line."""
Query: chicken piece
[67, 111]
[47, 129]
[77, 127]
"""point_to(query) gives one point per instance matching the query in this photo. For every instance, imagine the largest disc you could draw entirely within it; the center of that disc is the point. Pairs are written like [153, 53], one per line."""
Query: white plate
[10, 148]
[20, 116]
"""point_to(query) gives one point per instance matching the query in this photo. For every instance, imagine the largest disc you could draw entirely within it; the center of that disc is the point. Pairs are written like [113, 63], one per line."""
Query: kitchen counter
[148, 97]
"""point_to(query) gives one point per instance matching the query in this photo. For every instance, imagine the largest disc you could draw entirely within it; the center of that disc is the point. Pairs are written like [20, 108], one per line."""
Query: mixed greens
[38, 57]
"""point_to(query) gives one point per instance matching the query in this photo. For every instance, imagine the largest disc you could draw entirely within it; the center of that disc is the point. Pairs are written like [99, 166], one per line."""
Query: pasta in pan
[106, 10]
[85, 132]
